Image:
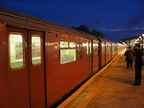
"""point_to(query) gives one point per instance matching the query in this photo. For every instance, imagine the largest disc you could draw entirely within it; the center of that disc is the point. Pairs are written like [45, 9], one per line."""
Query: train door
[26, 68]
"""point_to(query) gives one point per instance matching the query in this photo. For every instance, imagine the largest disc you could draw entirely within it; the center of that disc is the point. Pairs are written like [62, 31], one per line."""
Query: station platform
[111, 87]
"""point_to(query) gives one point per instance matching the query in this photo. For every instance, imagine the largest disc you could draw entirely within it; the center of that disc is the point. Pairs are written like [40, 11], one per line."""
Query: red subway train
[42, 62]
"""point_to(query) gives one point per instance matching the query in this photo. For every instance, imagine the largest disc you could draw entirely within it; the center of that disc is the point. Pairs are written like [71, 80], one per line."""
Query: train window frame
[12, 62]
[67, 52]
[34, 63]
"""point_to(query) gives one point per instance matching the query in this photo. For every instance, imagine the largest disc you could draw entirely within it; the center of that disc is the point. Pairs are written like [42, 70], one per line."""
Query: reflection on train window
[63, 44]
[67, 55]
[16, 50]
[72, 44]
[36, 49]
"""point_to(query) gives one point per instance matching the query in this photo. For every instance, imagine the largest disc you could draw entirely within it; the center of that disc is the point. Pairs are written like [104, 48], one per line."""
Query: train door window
[16, 48]
[36, 49]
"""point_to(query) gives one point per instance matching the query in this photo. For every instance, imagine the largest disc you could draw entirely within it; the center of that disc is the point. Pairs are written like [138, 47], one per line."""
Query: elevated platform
[111, 87]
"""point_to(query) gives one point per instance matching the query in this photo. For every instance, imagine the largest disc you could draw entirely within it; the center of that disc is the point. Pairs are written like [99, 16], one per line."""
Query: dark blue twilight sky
[117, 19]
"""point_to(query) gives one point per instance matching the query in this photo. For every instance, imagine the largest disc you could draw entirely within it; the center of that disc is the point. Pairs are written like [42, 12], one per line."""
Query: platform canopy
[131, 41]
[134, 40]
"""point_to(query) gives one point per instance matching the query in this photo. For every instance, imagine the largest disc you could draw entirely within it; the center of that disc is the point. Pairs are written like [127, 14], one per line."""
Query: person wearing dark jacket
[138, 65]
[130, 55]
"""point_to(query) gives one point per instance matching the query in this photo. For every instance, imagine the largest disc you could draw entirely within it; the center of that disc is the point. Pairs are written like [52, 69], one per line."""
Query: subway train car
[42, 62]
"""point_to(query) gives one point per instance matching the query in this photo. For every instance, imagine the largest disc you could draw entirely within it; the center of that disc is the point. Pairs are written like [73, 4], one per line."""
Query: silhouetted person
[138, 65]
[130, 55]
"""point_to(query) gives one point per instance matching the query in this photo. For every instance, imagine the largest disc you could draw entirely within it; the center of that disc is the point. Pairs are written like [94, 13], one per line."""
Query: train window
[67, 52]
[63, 44]
[90, 46]
[67, 55]
[79, 47]
[108, 48]
[79, 51]
[16, 49]
[72, 44]
[87, 45]
[36, 49]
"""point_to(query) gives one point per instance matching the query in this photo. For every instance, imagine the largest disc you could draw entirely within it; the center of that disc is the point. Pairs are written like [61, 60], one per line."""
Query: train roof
[105, 40]
[17, 19]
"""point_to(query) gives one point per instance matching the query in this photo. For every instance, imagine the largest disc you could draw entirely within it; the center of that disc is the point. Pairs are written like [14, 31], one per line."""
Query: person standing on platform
[138, 65]
[130, 55]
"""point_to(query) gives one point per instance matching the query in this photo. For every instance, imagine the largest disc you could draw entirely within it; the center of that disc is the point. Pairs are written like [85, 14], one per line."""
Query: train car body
[41, 62]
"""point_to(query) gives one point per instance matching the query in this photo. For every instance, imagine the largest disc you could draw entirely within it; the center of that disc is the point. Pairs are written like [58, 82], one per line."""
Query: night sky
[116, 19]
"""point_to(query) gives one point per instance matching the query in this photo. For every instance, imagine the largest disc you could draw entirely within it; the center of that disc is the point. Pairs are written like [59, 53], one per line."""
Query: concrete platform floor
[110, 88]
